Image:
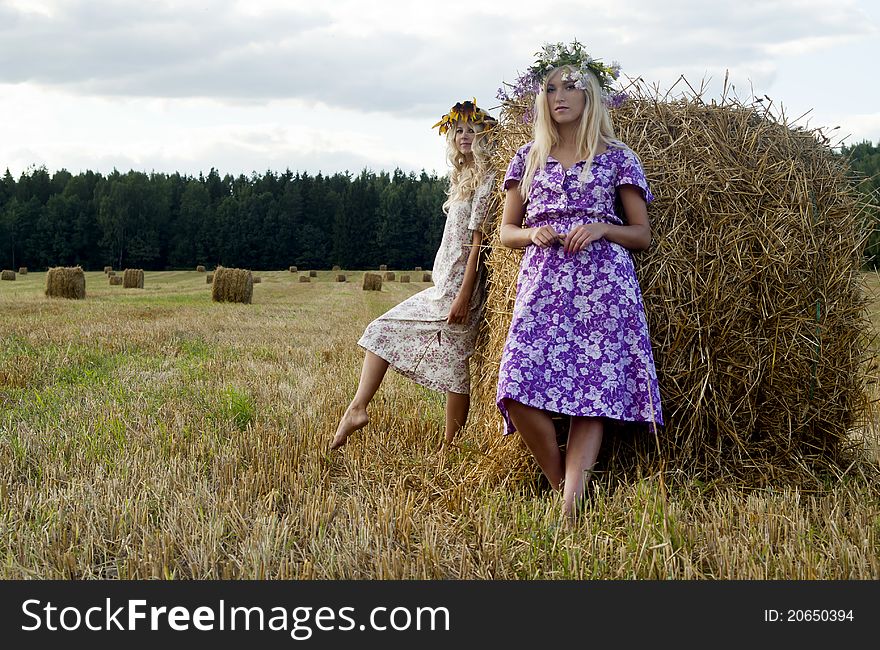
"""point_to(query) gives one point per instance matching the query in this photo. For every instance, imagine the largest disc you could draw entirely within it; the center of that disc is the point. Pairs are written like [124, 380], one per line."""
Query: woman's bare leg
[457, 407]
[584, 441]
[536, 428]
[355, 416]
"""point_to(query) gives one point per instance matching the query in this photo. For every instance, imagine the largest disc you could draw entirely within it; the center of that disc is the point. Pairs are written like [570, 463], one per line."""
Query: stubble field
[154, 434]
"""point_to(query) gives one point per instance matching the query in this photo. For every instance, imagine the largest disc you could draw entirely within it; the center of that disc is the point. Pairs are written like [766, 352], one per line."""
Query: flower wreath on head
[555, 55]
[466, 111]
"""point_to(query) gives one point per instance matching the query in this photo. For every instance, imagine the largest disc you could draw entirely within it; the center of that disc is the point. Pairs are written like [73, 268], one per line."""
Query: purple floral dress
[578, 342]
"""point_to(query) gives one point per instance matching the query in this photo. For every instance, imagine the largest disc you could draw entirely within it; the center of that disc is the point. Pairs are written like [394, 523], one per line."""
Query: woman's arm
[513, 235]
[636, 235]
[462, 303]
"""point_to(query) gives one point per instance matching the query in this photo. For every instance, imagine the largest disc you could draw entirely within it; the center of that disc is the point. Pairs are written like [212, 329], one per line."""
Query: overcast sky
[337, 85]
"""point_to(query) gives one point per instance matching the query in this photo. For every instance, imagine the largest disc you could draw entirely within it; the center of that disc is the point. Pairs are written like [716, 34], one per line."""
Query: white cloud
[235, 82]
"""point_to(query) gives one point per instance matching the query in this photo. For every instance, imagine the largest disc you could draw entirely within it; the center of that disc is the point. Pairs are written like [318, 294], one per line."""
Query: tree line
[171, 221]
[269, 221]
[864, 160]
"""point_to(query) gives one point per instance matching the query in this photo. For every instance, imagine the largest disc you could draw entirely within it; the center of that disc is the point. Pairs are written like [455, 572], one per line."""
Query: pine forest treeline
[864, 160]
[271, 221]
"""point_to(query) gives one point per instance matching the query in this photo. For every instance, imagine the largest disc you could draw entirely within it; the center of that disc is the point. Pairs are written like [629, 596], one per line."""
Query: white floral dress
[414, 337]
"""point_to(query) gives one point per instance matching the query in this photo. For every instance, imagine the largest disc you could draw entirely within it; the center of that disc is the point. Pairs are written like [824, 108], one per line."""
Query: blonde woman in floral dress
[578, 345]
[430, 336]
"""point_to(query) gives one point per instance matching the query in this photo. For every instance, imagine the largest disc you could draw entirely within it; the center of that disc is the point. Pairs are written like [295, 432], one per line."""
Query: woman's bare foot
[353, 419]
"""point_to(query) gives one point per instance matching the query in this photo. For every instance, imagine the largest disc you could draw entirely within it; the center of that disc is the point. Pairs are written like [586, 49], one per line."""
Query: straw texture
[232, 285]
[66, 282]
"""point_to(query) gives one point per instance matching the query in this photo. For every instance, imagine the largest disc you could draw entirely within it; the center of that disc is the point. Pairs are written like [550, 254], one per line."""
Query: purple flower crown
[555, 55]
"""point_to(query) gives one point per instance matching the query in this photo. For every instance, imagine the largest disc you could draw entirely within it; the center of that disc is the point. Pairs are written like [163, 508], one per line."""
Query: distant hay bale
[111, 273]
[418, 268]
[133, 279]
[389, 275]
[313, 274]
[232, 285]
[335, 267]
[107, 269]
[115, 279]
[200, 269]
[257, 279]
[372, 282]
[404, 278]
[340, 277]
[304, 278]
[7, 275]
[752, 290]
[383, 267]
[209, 278]
[22, 270]
[426, 277]
[66, 282]
[293, 269]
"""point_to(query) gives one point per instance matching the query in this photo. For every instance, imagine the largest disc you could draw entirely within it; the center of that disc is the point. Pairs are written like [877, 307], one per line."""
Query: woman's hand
[579, 237]
[459, 311]
[544, 236]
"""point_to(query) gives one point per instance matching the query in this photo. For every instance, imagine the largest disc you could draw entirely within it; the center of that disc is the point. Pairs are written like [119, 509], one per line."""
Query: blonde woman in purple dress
[430, 336]
[578, 345]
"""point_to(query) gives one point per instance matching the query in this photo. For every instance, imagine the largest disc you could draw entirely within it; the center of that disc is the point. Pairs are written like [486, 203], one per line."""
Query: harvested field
[155, 434]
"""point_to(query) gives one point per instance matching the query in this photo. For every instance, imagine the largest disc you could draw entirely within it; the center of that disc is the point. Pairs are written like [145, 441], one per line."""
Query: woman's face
[565, 102]
[464, 137]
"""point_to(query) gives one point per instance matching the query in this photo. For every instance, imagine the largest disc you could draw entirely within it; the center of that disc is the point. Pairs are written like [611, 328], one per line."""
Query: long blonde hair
[594, 128]
[468, 172]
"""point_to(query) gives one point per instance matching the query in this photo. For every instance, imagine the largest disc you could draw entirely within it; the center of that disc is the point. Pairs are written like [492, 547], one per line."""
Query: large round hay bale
[209, 278]
[383, 267]
[426, 277]
[293, 269]
[108, 269]
[389, 275]
[340, 277]
[404, 278]
[200, 269]
[752, 291]
[372, 282]
[7, 275]
[232, 285]
[115, 280]
[335, 267]
[133, 279]
[313, 274]
[22, 270]
[257, 279]
[111, 273]
[66, 282]
[304, 278]
[418, 268]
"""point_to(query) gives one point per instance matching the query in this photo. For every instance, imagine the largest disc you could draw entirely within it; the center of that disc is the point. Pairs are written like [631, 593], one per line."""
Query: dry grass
[155, 434]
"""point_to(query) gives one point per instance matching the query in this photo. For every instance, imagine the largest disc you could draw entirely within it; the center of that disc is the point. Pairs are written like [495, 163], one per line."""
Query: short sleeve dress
[414, 337]
[578, 342]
